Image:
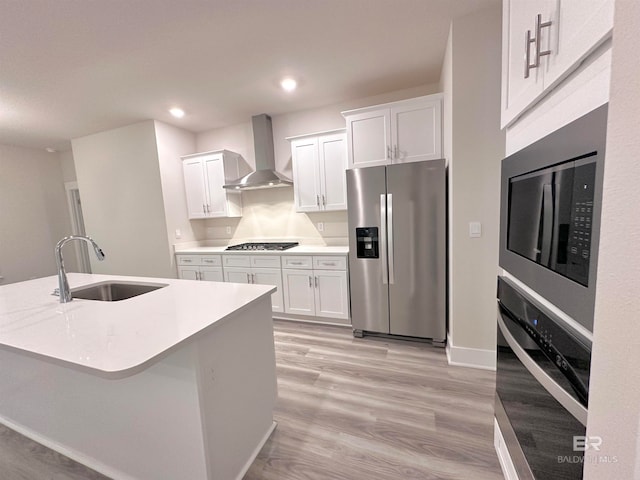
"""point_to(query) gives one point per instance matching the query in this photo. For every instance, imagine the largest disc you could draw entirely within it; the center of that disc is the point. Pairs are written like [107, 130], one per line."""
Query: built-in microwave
[551, 195]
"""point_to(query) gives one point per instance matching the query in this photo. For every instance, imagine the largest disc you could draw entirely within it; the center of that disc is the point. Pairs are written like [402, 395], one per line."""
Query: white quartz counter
[298, 250]
[114, 339]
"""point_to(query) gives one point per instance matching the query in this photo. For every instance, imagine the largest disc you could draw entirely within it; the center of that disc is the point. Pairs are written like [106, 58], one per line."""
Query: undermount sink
[114, 291]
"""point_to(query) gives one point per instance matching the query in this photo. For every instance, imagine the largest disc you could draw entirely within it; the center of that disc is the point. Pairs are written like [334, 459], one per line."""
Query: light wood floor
[375, 409]
[348, 409]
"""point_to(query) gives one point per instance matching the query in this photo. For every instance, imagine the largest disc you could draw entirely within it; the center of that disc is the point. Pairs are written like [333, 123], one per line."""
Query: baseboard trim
[470, 357]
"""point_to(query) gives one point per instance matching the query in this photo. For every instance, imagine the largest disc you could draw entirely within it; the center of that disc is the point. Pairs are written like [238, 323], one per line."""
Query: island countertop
[114, 339]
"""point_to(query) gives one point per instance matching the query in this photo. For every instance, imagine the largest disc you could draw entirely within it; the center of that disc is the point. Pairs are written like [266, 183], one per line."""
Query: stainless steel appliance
[263, 246]
[542, 387]
[397, 245]
[550, 214]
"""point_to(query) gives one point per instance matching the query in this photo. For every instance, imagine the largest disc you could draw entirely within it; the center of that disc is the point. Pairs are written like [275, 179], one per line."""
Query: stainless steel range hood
[265, 175]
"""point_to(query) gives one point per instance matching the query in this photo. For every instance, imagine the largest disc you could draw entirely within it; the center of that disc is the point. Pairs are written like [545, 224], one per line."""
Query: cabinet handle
[310, 282]
[537, 41]
[329, 263]
[295, 263]
[198, 276]
[324, 201]
[316, 281]
[317, 200]
[253, 278]
[396, 152]
[186, 260]
[539, 26]
[248, 278]
[389, 152]
[204, 208]
[208, 208]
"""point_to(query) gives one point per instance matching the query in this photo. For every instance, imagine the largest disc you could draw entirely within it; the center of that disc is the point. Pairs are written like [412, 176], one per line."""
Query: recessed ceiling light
[176, 112]
[50, 150]
[288, 84]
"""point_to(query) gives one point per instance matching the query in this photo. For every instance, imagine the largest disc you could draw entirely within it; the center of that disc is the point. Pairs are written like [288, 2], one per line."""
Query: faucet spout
[63, 284]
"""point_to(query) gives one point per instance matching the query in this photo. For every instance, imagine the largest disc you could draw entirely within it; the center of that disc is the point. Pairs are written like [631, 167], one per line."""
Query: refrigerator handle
[390, 238]
[383, 236]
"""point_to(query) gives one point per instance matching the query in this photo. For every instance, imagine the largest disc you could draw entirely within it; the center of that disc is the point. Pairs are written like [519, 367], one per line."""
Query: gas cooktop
[263, 246]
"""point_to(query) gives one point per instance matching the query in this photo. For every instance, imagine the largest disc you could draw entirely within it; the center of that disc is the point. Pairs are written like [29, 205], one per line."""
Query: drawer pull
[329, 263]
[186, 260]
[296, 263]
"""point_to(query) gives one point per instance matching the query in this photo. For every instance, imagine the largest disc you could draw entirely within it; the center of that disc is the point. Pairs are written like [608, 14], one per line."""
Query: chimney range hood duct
[265, 175]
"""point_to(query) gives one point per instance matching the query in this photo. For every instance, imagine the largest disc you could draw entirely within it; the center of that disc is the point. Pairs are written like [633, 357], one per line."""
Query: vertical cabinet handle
[253, 278]
[316, 281]
[204, 208]
[310, 282]
[324, 201]
[248, 278]
[539, 26]
[537, 40]
[317, 200]
[389, 156]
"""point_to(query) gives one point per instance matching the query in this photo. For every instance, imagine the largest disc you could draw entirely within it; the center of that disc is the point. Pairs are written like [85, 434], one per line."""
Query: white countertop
[298, 250]
[114, 339]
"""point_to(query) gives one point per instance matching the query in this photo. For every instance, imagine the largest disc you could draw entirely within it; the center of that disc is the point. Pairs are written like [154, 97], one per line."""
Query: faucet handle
[56, 292]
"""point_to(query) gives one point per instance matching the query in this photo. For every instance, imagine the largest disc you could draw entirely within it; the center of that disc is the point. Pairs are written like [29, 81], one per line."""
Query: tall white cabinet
[204, 175]
[319, 164]
[543, 42]
[398, 132]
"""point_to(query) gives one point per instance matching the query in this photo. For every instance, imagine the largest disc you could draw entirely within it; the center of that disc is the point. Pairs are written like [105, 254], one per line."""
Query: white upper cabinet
[399, 132]
[543, 42]
[204, 176]
[319, 164]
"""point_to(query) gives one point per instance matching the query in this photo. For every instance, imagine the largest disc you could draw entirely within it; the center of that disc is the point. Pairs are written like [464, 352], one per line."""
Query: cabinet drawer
[211, 260]
[296, 262]
[330, 263]
[265, 261]
[236, 260]
[188, 259]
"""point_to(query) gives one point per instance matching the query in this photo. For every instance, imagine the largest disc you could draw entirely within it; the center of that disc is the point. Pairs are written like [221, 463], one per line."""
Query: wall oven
[550, 211]
[542, 387]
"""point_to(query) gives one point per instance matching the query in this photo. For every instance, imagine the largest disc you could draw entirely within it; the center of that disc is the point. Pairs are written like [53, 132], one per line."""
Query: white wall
[614, 402]
[120, 184]
[33, 213]
[279, 219]
[68, 167]
[173, 142]
[471, 83]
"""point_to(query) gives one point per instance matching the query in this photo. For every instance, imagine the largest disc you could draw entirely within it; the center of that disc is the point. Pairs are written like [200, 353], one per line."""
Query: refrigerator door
[417, 249]
[368, 274]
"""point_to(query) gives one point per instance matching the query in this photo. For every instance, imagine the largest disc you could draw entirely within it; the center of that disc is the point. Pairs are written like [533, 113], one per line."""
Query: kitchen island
[175, 383]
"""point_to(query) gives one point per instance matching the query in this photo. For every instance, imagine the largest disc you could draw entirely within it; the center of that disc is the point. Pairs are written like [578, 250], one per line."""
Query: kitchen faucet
[63, 284]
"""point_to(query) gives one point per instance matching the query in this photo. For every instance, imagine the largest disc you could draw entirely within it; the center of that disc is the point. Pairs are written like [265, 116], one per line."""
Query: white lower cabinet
[249, 269]
[317, 291]
[312, 286]
[200, 267]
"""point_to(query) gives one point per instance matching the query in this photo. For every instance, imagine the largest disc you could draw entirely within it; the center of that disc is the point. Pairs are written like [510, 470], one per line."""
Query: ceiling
[69, 68]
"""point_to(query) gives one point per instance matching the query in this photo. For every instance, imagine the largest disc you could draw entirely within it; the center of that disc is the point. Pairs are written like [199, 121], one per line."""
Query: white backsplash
[270, 215]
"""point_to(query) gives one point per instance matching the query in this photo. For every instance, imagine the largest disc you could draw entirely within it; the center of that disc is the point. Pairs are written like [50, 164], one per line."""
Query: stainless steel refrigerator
[397, 249]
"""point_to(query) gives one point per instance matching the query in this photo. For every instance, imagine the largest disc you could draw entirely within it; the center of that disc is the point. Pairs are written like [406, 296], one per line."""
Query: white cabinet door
[333, 166]
[268, 276]
[189, 273]
[369, 138]
[214, 168]
[237, 275]
[577, 29]
[416, 131]
[331, 294]
[306, 182]
[518, 92]
[195, 188]
[211, 274]
[298, 292]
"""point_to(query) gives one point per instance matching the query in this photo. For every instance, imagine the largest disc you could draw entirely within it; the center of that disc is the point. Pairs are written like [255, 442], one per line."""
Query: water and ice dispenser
[367, 242]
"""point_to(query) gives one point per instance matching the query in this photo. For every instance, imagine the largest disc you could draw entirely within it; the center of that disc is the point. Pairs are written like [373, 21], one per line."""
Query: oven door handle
[556, 391]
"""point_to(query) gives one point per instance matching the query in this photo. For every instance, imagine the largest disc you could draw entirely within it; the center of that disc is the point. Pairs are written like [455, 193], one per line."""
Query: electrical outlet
[228, 230]
[320, 227]
[178, 233]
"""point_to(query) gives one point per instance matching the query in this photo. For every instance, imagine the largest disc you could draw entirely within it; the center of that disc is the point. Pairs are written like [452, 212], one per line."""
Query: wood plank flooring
[348, 409]
[375, 409]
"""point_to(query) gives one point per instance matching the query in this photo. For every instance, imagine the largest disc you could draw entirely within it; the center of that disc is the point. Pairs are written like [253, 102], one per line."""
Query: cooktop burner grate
[263, 246]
